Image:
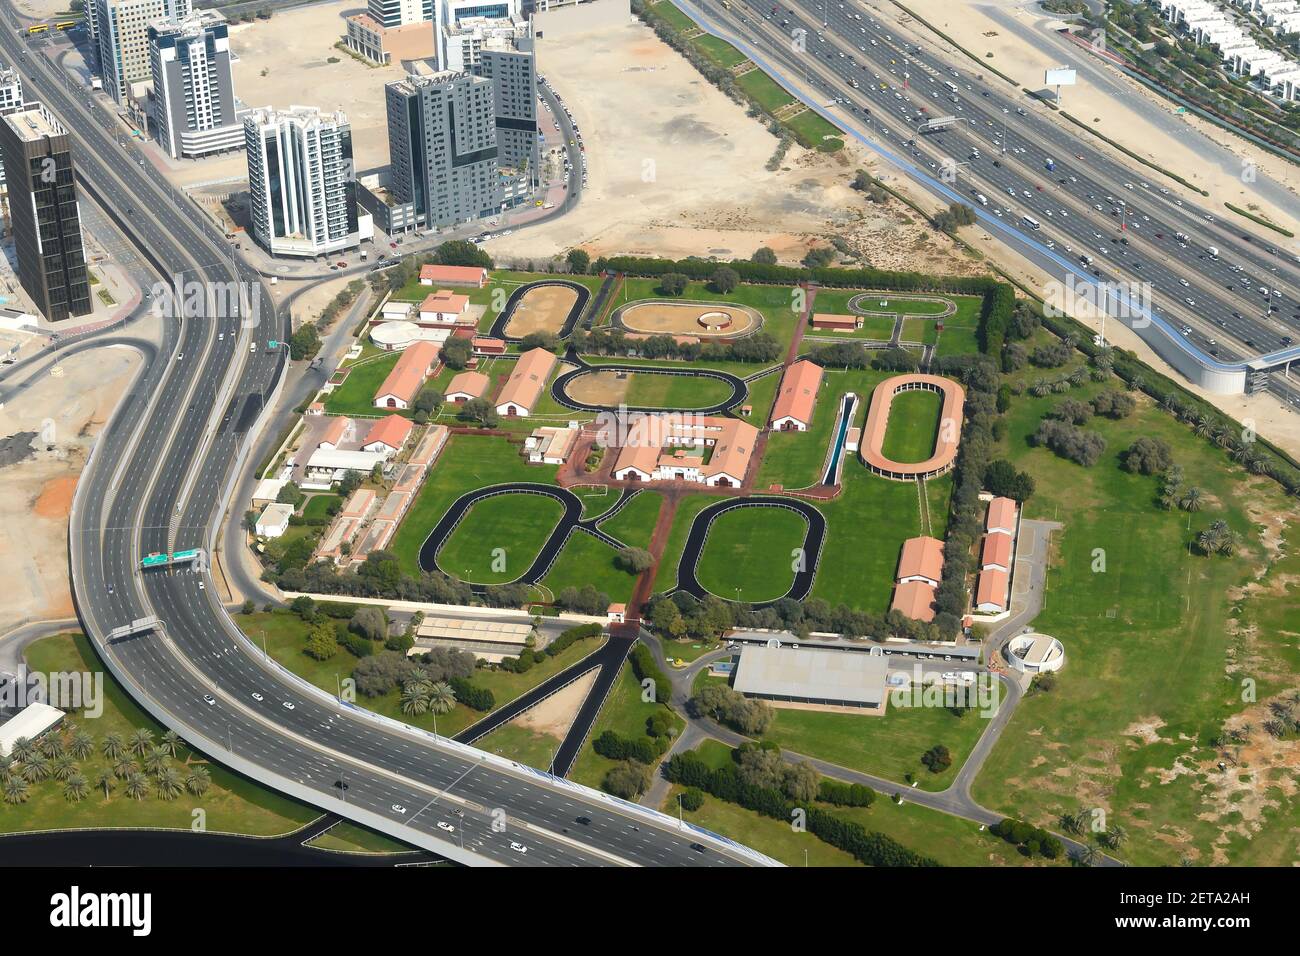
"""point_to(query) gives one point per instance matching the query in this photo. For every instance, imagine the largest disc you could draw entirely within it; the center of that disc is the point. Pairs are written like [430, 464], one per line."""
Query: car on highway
[258, 697]
[209, 700]
[287, 705]
[444, 825]
[398, 808]
[518, 847]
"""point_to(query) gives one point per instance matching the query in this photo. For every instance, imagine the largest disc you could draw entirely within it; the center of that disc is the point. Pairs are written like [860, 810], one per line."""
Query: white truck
[1213, 251]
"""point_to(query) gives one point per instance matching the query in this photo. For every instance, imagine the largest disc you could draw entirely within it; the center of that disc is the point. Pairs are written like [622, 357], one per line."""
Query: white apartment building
[301, 181]
[193, 91]
[1209, 24]
[122, 29]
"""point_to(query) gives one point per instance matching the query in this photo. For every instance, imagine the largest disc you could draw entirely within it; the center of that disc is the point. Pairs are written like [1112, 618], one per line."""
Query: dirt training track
[550, 305]
[676, 317]
[560, 387]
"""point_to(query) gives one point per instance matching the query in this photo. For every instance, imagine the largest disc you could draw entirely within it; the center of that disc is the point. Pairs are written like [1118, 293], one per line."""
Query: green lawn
[468, 462]
[887, 746]
[924, 331]
[587, 560]
[233, 804]
[623, 712]
[675, 391]
[719, 51]
[764, 90]
[354, 838]
[913, 426]
[636, 522]
[818, 132]
[317, 506]
[522, 744]
[356, 396]
[1158, 642]
[748, 553]
[687, 509]
[499, 538]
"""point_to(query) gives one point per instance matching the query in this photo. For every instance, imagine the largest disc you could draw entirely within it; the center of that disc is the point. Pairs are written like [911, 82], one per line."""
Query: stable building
[474, 277]
[388, 435]
[797, 398]
[921, 560]
[996, 552]
[1001, 516]
[914, 599]
[525, 385]
[549, 445]
[467, 385]
[417, 363]
[830, 322]
[710, 450]
[991, 591]
[444, 307]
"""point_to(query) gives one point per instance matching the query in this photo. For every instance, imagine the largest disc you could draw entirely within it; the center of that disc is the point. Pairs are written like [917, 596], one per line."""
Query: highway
[159, 479]
[881, 87]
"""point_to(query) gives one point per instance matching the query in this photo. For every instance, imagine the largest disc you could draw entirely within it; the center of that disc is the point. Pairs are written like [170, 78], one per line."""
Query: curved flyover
[560, 393]
[502, 321]
[814, 537]
[945, 445]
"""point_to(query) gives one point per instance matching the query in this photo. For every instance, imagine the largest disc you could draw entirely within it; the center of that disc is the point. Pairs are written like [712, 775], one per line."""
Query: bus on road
[1031, 222]
[38, 28]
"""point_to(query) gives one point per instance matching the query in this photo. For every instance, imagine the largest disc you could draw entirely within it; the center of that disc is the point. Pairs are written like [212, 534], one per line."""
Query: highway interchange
[881, 87]
[157, 479]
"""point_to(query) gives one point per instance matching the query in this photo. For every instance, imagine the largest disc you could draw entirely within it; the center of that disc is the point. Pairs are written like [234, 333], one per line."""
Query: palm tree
[137, 786]
[420, 678]
[104, 782]
[51, 746]
[113, 746]
[82, 745]
[22, 749]
[63, 767]
[171, 742]
[198, 780]
[1191, 500]
[1202, 426]
[75, 788]
[16, 789]
[414, 700]
[1114, 836]
[169, 783]
[141, 742]
[155, 761]
[36, 769]
[441, 697]
[124, 766]
[1089, 855]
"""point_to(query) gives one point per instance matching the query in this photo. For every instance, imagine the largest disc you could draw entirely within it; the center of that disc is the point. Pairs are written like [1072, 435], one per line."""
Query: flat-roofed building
[404, 382]
[328, 465]
[274, 520]
[382, 45]
[30, 723]
[797, 397]
[784, 675]
[490, 640]
[193, 91]
[526, 382]
[549, 445]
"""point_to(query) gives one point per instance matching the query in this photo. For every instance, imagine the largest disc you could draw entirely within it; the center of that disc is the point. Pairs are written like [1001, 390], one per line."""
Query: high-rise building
[122, 27]
[43, 213]
[449, 17]
[193, 92]
[460, 44]
[301, 181]
[442, 146]
[400, 13]
[11, 88]
[511, 66]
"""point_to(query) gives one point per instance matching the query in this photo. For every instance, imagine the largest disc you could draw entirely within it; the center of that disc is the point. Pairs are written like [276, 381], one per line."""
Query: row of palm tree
[420, 695]
[1218, 538]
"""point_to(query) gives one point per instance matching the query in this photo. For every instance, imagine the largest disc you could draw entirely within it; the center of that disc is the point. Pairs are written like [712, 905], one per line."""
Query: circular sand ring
[715, 321]
[687, 317]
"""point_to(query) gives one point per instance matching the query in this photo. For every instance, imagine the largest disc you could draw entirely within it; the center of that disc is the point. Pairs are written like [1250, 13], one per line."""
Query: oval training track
[570, 321]
[560, 393]
[802, 584]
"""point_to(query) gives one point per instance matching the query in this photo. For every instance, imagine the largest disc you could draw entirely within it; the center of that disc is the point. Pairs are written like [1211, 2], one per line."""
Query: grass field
[748, 553]
[888, 746]
[522, 744]
[468, 462]
[652, 391]
[317, 506]
[587, 560]
[232, 804]
[924, 331]
[1158, 643]
[356, 395]
[624, 713]
[687, 509]
[719, 51]
[354, 838]
[812, 128]
[959, 336]
[764, 90]
[499, 538]
[636, 522]
[913, 426]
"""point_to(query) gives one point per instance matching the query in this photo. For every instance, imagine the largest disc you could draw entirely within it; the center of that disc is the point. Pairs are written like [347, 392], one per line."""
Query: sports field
[774, 302]
[748, 554]
[499, 537]
[913, 426]
[587, 560]
[648, 390]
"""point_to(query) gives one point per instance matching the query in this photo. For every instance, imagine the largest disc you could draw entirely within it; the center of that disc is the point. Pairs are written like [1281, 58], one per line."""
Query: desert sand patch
[554, 716]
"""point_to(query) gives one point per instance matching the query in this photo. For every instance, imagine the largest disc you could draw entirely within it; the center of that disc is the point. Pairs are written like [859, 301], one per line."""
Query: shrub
[692, 799]
[1147, 456]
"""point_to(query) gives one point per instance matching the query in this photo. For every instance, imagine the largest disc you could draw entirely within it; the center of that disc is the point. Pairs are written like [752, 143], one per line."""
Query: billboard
[1060, 76]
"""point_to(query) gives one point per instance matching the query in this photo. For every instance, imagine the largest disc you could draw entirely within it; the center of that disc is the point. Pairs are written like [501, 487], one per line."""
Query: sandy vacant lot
[554, 715]
[66, 410]
[542, 310]
[677, 169]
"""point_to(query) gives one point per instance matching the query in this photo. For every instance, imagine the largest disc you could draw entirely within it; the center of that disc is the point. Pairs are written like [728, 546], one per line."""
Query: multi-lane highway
[159, 479]
[1220, 293]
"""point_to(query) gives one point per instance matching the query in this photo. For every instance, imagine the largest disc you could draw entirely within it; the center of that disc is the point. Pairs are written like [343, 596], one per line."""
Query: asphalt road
[157, 480]
[900, 83]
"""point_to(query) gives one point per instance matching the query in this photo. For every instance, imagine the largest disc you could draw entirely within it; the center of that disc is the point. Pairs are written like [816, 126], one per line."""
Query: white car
[398, 808]
[257, 697]
[209, 700]
[518, 847]
[287, 705]
[444, 825]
